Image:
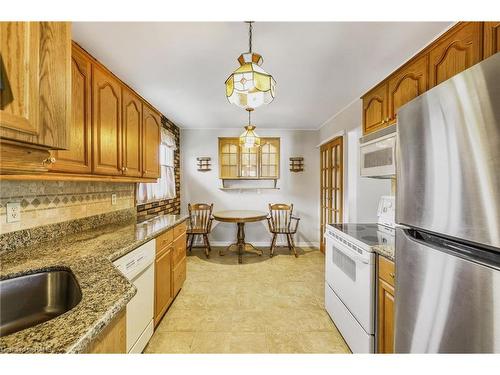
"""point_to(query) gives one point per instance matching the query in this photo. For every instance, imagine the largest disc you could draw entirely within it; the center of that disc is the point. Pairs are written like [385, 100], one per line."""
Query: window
[164, 188]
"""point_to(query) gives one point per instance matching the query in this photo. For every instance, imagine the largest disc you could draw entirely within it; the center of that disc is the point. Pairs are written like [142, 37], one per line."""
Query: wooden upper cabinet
[491, 38]
[35, 99]
[270, 158]
[77, 159]
[458, 50]
[106, 127]
[229, 158]
[151, 125]
[132, 133]
[375, 109]
[406, 84]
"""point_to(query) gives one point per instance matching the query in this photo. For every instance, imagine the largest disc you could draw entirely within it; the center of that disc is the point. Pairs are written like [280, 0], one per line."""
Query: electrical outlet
[13, 212]
[113, 199]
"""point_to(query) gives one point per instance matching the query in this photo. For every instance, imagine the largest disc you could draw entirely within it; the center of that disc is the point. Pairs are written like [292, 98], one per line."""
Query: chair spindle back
[200, 215]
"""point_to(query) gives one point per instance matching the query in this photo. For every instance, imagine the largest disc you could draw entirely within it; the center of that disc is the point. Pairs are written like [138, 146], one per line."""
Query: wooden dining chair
[199, 224]
[282, 221]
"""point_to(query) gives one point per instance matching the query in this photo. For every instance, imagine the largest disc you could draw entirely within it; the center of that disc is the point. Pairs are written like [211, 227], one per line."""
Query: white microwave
[377, 154]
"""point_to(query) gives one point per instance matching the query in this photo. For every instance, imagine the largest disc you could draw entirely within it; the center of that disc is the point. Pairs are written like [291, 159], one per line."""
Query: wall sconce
[297, 164]
[204, 163]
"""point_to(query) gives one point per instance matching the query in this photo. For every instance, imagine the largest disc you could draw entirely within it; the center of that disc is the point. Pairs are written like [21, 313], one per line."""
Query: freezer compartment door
[447, 298]
[448, 166]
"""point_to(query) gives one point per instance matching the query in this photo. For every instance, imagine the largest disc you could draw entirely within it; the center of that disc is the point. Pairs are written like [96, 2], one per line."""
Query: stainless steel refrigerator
[448, 211]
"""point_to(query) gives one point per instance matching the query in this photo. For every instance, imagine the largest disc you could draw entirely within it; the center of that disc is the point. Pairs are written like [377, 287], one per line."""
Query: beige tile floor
[266, 305]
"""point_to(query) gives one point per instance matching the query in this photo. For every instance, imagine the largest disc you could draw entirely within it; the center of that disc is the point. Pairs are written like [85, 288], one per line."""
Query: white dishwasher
[138, 267]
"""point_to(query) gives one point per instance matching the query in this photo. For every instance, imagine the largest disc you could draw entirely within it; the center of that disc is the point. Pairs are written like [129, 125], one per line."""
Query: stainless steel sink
[26, 301]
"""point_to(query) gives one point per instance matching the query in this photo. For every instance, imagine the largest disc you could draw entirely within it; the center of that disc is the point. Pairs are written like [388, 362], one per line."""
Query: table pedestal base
[241, 245]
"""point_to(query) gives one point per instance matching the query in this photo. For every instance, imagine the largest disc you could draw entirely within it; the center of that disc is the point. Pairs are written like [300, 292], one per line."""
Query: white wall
[361, 194]
[301, 189]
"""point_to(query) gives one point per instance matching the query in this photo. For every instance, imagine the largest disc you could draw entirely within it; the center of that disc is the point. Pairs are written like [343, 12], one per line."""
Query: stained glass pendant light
[250, 86]
[249, 138]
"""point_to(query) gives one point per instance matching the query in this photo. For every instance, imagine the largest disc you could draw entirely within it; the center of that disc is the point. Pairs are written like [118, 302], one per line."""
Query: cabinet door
[151, 125]
[407, 84]
[131, 130]
[163, 283]
[375, 109]
[35, 99]
[270, 158]
[385, 317]
[106, 127]
[113, 339]
[229, 157]
[77, 159]
[459, 50]
[491, 38]
[19, 44]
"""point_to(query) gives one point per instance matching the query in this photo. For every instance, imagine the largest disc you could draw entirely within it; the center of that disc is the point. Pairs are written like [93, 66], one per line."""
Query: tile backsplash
[49, 202]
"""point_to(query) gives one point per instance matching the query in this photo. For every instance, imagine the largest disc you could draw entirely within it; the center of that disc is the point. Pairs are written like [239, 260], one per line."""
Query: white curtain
[164, 188]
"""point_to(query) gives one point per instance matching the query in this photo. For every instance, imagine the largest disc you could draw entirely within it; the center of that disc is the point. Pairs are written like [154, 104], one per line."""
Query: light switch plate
[113, 199]
[13, 212]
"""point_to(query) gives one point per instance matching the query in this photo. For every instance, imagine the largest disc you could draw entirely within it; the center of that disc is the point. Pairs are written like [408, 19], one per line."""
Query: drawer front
[179, 249]
[180, 229]
[179, 276]
[386, 270]
[163, 240]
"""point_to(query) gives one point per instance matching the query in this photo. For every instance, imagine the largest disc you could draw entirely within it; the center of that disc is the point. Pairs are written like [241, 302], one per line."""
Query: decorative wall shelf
[248, 183]
[297, 164]
[204, 163]
[249, 188]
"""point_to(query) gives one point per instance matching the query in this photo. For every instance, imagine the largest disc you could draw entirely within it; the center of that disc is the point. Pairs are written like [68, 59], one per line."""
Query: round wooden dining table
[240, 217]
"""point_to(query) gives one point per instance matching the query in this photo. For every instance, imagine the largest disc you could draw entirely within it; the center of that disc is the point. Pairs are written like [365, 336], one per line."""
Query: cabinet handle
[49, 161]
[392, 275]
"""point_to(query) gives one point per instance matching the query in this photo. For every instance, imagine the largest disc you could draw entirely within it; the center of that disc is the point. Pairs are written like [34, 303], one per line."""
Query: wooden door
[331, 190]
[151, 125]
[407, 84]
[385, 317]
[229, 161]
[491, 38]
[131, 133]
[459, 50]
[106, 127]
[77, 159]
[163, 282]
[35, 99]
[375, 109]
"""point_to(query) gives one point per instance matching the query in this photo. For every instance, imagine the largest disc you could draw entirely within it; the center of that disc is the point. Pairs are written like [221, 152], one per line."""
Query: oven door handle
[350, 253]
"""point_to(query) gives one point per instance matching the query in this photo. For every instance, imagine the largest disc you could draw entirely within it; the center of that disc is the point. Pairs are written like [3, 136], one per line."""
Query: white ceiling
[319, 67]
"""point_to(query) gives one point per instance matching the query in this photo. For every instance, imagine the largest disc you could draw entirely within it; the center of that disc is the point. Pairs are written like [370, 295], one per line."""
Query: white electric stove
[350, 275]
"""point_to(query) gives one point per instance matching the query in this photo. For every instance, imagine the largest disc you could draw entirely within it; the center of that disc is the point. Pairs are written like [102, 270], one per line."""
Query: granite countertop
[105, 291]
[386, 251]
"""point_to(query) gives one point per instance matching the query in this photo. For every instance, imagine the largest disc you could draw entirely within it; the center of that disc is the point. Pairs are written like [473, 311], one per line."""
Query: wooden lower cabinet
[385, 306]
[170, 268]
[163, 283]
[113, 340]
